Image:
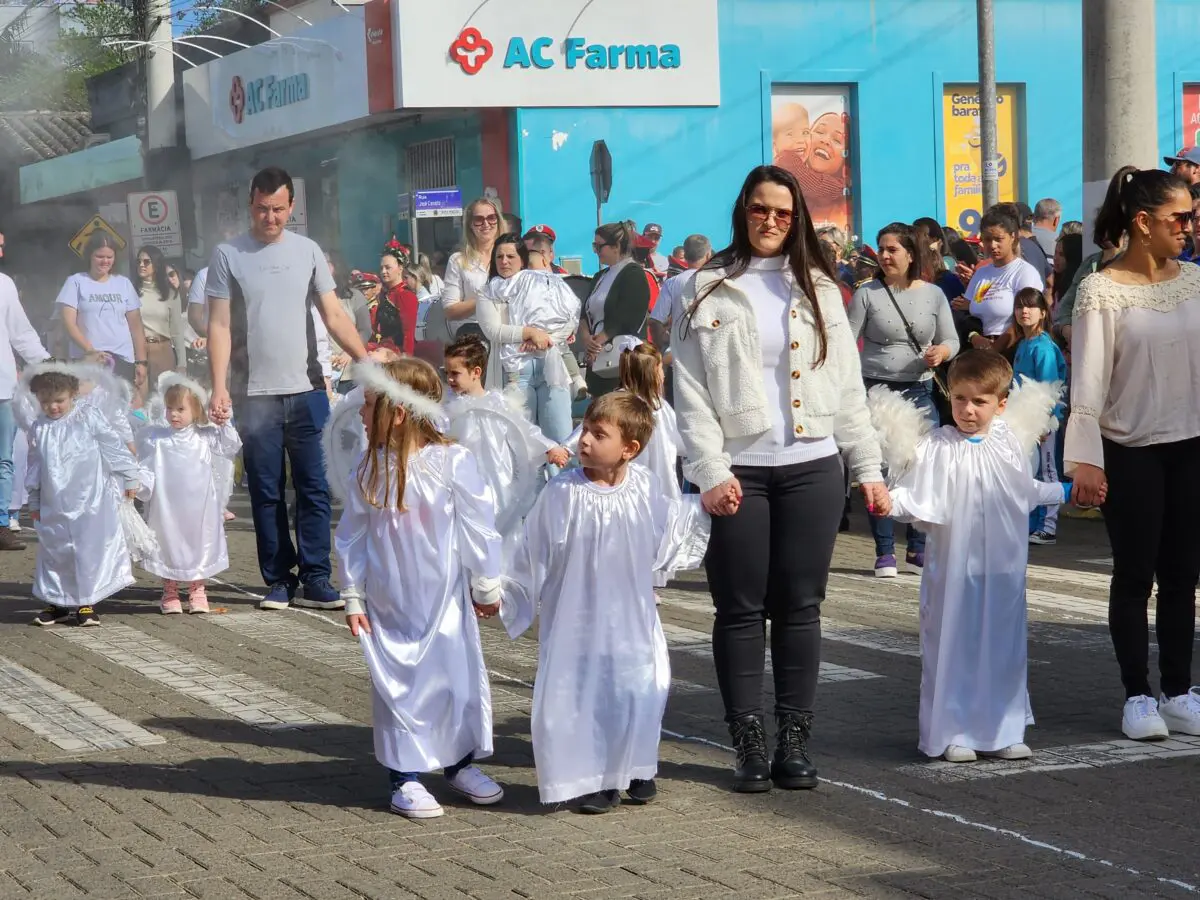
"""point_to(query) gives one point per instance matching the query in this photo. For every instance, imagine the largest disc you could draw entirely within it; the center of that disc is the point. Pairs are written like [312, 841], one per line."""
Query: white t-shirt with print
[992, 289]
[101, 307]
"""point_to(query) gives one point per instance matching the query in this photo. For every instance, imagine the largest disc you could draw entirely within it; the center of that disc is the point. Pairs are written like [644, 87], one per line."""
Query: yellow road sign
[85, 233]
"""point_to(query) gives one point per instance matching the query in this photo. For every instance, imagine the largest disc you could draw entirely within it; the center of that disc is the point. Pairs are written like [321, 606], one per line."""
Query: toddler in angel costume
[590, 544]
[969, 487]
[74, 450]
[185, 510]
[420, 560]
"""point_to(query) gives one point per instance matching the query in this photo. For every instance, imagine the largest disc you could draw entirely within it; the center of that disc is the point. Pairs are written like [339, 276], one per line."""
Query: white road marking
[240, 696]
[62, 717]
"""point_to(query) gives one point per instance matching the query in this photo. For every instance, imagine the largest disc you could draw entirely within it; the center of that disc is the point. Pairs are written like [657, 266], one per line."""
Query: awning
[85, 170]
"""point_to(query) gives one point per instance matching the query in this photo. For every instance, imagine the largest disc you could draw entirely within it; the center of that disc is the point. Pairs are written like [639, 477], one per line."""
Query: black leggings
[1150, 515]
[771, 560]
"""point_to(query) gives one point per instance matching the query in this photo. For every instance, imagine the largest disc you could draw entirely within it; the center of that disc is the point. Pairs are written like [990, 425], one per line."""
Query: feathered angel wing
[1030, 411]
[900, 425]
[507, 458]
[344, 440]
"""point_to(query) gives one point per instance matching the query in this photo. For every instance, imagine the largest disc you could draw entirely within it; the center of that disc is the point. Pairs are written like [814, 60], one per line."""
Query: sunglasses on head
[759, 213]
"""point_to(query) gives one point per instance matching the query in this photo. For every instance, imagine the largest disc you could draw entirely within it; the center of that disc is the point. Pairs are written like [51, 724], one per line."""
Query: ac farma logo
[471, 50]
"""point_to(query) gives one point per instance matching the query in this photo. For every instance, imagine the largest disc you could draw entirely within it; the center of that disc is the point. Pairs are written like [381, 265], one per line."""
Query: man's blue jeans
[920, 394]
[549, 408]
[8, 433]
[270, 428]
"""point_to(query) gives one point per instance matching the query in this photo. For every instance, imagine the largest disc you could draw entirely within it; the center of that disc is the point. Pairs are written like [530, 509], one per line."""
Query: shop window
[811, 133]
[430, 165]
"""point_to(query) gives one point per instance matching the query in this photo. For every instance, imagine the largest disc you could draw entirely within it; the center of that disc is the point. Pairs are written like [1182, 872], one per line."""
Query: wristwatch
[140, 362]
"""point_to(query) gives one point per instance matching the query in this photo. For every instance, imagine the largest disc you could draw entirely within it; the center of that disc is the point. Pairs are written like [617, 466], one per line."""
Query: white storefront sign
[154, 221]
[288, 86]
[461, 53]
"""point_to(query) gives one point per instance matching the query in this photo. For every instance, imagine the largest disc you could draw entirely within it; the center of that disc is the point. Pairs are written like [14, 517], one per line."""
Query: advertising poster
[1191, 115]
[960, 132]
[810, 137]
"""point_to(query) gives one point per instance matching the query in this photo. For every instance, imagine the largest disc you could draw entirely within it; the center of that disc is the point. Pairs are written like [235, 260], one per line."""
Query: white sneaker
[1014, 751]
[14, 522]
[957, 754]
[413, 801]
[1141, 720]
[1182, 713]
[476, 787]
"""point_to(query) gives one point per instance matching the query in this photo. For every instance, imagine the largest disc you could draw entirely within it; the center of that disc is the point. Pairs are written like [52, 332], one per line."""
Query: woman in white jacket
[769, 394]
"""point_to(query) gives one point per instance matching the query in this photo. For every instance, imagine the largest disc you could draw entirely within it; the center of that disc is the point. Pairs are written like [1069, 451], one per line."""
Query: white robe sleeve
[350, 542]
[921, 494]
[474, 516]
[33, 477]
[223, 440]
[115, 454]
[522, 583]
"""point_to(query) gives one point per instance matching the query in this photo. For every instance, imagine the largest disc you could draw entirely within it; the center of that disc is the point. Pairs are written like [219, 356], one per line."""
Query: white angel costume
[509, 450]
[603, 671]
[20, 461]
[534, 298]
[409, 573]
[972, 495]
[82, 553]
[185, 510]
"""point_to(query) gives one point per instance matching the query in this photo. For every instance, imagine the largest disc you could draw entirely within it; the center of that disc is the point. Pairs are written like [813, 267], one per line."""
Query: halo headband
[373, 378]
[169, 379]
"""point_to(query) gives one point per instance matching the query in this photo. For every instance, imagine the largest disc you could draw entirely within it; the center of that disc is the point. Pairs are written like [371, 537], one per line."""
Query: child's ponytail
[641, 374]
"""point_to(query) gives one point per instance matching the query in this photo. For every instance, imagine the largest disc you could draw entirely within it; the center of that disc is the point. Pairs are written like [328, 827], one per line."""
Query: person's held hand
[538, 338]
[724, 499]
[879, 501]
[558, 456]
[1091, 486]
[359, 624]
[486, 612]
[219, 406]
[199, 343]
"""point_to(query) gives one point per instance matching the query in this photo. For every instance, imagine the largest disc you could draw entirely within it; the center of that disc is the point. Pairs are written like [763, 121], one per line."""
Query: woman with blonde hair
[467, 270]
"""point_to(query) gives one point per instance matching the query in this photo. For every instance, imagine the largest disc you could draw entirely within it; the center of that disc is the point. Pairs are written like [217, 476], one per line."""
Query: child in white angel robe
[971, 491]
[73, 452]
[591, 542]
[407, 575]
[185, 511]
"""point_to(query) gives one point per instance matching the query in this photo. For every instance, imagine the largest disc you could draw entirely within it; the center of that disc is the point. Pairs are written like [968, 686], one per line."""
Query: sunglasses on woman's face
[480, 221]
[759, 214]
[144, 261]
[597, 246]
[1179, 219]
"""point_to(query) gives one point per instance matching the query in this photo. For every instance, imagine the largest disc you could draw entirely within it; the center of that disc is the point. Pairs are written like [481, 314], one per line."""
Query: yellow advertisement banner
[960, 135]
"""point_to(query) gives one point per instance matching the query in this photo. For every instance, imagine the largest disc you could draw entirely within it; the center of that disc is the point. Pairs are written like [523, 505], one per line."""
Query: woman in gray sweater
[902, 343]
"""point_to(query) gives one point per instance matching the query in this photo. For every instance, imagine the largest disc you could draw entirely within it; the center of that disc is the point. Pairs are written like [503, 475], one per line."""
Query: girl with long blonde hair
[420, 561]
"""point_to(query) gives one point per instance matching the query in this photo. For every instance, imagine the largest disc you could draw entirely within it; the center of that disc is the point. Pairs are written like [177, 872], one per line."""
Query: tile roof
[35, 135]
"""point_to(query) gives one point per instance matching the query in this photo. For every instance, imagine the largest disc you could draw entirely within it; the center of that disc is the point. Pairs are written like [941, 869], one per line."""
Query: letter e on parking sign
[154, 221]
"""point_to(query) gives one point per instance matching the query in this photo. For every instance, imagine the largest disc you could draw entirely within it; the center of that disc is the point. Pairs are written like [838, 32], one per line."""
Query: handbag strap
[912, 336]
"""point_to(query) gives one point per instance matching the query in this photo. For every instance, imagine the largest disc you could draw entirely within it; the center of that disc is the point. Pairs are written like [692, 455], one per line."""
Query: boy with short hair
[82, 556]
[590, 545]
[971, 490]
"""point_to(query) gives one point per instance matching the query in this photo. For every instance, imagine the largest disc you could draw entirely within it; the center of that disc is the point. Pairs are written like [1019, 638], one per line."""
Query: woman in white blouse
[1133, 439]
[467, 270]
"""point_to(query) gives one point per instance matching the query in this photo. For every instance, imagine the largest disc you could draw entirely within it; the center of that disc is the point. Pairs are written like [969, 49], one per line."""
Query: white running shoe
[957, 754]
[14, 522]
[1141, 720]
[476, 787]
[413, 801]
[1014, 751]
[1182, 713]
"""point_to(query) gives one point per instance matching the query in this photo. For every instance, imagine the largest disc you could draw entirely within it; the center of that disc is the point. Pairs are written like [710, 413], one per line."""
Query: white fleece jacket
[719, 392]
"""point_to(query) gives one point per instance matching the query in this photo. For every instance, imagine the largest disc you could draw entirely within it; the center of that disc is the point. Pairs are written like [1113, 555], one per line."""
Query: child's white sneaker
[1014, 751]
[1141, 720]
[413, 801]
[1182, 713]
[476, 787]
[957, 754]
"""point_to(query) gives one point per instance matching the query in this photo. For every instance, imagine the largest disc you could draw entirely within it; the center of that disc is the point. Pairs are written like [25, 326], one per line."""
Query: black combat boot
[792, 769]
[752, 774]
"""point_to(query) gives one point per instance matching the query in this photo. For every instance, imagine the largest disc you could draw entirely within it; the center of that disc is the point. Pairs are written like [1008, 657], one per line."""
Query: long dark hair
[341, 274]
[1072, 249]
[801, 247]
[160, 271]
[515, 240]
[929, 232]
[1130, 192]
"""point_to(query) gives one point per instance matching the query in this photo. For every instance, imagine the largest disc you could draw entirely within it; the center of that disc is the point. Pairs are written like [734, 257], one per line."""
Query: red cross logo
[237, 99]
[471, 50]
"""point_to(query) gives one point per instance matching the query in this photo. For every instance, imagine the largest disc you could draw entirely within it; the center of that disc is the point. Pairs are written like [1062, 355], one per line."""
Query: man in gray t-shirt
[262, 348]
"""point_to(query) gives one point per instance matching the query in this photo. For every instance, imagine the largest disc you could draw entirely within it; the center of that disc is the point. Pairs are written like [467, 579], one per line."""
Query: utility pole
[1120, 124]
[161, 116]
[987, 103]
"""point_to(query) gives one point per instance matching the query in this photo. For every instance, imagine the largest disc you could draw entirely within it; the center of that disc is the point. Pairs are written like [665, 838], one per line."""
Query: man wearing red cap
[547, 232]
[658, 263]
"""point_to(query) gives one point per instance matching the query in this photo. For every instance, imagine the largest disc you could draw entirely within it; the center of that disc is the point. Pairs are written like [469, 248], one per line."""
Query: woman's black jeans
[771, 560]
[1150, 514]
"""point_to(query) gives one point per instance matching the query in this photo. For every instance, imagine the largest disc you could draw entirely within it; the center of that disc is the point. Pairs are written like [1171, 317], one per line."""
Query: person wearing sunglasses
[619, 303]
[769, 396]
[1134, 427]
[467, 270]
[162, 316]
